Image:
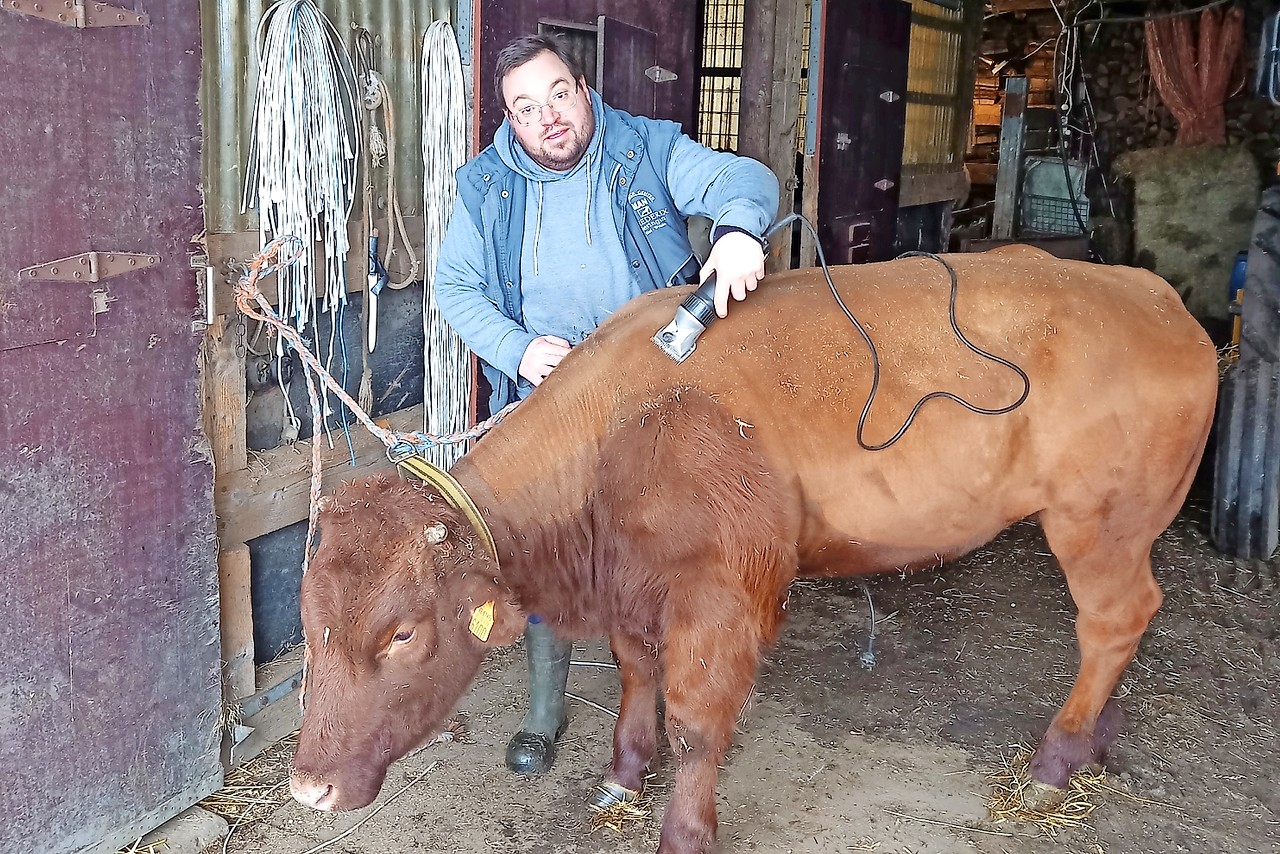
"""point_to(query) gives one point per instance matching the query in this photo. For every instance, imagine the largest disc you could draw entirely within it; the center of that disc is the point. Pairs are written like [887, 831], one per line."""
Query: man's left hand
[737, 259]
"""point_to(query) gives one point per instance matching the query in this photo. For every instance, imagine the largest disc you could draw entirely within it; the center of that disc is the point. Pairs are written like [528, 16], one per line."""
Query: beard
[564, 153]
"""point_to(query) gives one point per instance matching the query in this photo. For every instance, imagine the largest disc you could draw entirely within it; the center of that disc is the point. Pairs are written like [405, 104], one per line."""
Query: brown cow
[670, 506]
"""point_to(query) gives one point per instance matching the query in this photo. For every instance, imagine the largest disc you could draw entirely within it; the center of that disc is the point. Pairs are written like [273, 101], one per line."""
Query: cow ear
[496, 622]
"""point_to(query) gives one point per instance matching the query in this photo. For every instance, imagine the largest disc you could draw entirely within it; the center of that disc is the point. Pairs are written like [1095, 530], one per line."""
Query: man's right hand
[542, 354]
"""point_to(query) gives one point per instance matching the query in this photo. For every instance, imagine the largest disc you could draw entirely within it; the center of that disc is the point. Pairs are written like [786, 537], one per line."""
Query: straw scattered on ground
[257, 788]
[1011, 786]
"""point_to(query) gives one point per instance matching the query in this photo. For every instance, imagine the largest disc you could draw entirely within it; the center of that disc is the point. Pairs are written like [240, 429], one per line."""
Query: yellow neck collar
[453, 493]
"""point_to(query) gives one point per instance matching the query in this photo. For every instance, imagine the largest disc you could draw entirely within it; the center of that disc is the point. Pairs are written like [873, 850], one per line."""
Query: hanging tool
[378, 278]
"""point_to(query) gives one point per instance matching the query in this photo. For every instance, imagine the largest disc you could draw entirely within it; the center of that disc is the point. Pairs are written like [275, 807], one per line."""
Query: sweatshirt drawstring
[537, 230]
[590, 181]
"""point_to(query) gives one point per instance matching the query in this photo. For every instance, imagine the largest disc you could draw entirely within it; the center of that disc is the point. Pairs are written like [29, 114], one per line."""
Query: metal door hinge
[77, 13]
[883, 184]
[889, 97]
[88, 266]
[658, 74]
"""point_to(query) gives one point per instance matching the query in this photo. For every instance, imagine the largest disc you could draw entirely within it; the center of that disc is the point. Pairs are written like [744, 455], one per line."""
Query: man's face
[554, 138]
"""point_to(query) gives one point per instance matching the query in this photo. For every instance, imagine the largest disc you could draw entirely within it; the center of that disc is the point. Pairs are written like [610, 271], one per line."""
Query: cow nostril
[313, 793]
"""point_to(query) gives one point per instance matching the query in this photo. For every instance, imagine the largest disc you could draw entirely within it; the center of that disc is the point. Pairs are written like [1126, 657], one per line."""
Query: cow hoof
[608, 795]
[1039, 797]
[531, 753]
[615, 806]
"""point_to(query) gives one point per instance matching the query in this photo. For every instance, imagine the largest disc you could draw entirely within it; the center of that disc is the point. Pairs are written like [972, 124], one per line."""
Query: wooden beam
[275, 491]
[981, 173]
[927, 188]
[1013, 129]
[236, 610]
[1001, 7]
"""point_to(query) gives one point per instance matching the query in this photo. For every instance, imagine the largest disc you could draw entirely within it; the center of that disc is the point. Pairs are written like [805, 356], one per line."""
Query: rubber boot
[533, 749]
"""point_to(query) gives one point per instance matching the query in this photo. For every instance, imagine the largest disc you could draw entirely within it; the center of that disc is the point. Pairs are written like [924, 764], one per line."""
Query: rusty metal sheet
[109, 681]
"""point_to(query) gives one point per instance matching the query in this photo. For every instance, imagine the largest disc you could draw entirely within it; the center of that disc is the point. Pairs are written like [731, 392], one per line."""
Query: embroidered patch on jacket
[650, 220]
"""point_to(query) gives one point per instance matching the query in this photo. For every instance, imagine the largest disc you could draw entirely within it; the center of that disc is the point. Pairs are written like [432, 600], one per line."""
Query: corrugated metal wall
[933, 78]
[229, 81]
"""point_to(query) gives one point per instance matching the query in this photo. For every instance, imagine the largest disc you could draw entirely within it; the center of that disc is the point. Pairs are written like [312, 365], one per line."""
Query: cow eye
[403, 636]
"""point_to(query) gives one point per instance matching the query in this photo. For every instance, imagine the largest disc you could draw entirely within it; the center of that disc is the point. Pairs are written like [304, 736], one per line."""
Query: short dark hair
[526, 48]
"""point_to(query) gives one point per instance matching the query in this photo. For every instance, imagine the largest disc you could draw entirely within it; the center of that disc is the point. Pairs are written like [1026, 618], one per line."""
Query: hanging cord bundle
[382, 152]
[301, 174]
[281, 254]
[446, 397]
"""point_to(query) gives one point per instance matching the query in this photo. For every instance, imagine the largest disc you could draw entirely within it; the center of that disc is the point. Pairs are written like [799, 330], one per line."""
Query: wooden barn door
[861, 122]
[109, 658]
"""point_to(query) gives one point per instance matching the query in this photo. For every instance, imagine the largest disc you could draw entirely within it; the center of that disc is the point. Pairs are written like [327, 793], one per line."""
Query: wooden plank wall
[258, 495]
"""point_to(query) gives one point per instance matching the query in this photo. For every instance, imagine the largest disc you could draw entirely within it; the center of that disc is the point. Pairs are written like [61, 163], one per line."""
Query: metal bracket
[88, 266]
[658, 74]
[883, 184]
[77, 13]
[890, 96]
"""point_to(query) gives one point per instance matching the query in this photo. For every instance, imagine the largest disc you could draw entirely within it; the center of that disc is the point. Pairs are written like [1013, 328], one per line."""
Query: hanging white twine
[303, 155]
[447, 386]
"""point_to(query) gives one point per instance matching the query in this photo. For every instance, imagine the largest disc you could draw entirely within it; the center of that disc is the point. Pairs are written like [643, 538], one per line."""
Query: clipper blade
[679, 337]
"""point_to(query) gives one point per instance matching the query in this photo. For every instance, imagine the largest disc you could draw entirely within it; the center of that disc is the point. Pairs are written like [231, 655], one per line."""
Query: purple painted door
[862, 115]
[625, 53]
[109, 672]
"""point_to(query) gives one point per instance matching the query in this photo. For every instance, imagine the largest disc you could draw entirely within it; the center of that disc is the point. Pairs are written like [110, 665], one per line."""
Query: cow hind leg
[635, 736]
[1108, 570]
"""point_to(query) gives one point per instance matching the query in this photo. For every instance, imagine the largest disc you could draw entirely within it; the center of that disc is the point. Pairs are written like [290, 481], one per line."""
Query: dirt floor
[970, 660]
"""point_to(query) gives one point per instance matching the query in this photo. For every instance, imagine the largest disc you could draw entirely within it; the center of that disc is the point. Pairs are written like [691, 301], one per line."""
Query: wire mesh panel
[720, 74]
[803, 115]
[933, 76]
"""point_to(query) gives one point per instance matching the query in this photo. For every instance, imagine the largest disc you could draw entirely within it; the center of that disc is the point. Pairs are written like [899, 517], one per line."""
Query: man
[572, 211]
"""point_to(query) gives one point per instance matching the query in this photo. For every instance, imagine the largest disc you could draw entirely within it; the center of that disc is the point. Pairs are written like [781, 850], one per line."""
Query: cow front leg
[635, 736]
[709, 671]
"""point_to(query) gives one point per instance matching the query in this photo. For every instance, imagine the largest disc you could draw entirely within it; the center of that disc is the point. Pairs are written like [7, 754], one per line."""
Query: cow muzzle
[313, 793]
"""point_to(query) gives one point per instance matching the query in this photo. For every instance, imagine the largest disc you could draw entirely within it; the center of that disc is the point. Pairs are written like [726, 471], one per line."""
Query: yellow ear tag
[482, 620]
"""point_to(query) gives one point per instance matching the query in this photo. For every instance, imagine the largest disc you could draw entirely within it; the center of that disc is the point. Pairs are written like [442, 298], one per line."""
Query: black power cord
[875, 356]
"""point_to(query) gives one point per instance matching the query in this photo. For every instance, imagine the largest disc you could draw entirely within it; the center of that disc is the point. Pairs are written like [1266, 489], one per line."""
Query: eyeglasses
[560, 100]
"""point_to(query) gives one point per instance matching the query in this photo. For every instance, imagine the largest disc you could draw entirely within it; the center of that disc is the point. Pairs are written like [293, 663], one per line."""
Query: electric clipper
[679, 337]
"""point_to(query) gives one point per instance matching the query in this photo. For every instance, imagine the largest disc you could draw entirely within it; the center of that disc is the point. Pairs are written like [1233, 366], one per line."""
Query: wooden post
[809, 162]
[1013, 129]
[784, 121]
[222, 364]
[769, 109]
[222, 379]
[758, 33]
[236, 611]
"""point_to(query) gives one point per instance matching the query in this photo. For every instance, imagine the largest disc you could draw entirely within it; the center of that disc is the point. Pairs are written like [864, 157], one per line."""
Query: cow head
[393, 638]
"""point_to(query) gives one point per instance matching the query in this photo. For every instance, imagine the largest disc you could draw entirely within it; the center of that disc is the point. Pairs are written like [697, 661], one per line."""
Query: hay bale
[1194, 208]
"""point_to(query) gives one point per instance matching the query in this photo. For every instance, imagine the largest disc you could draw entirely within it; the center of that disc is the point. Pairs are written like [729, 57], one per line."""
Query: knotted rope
[280, 254]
